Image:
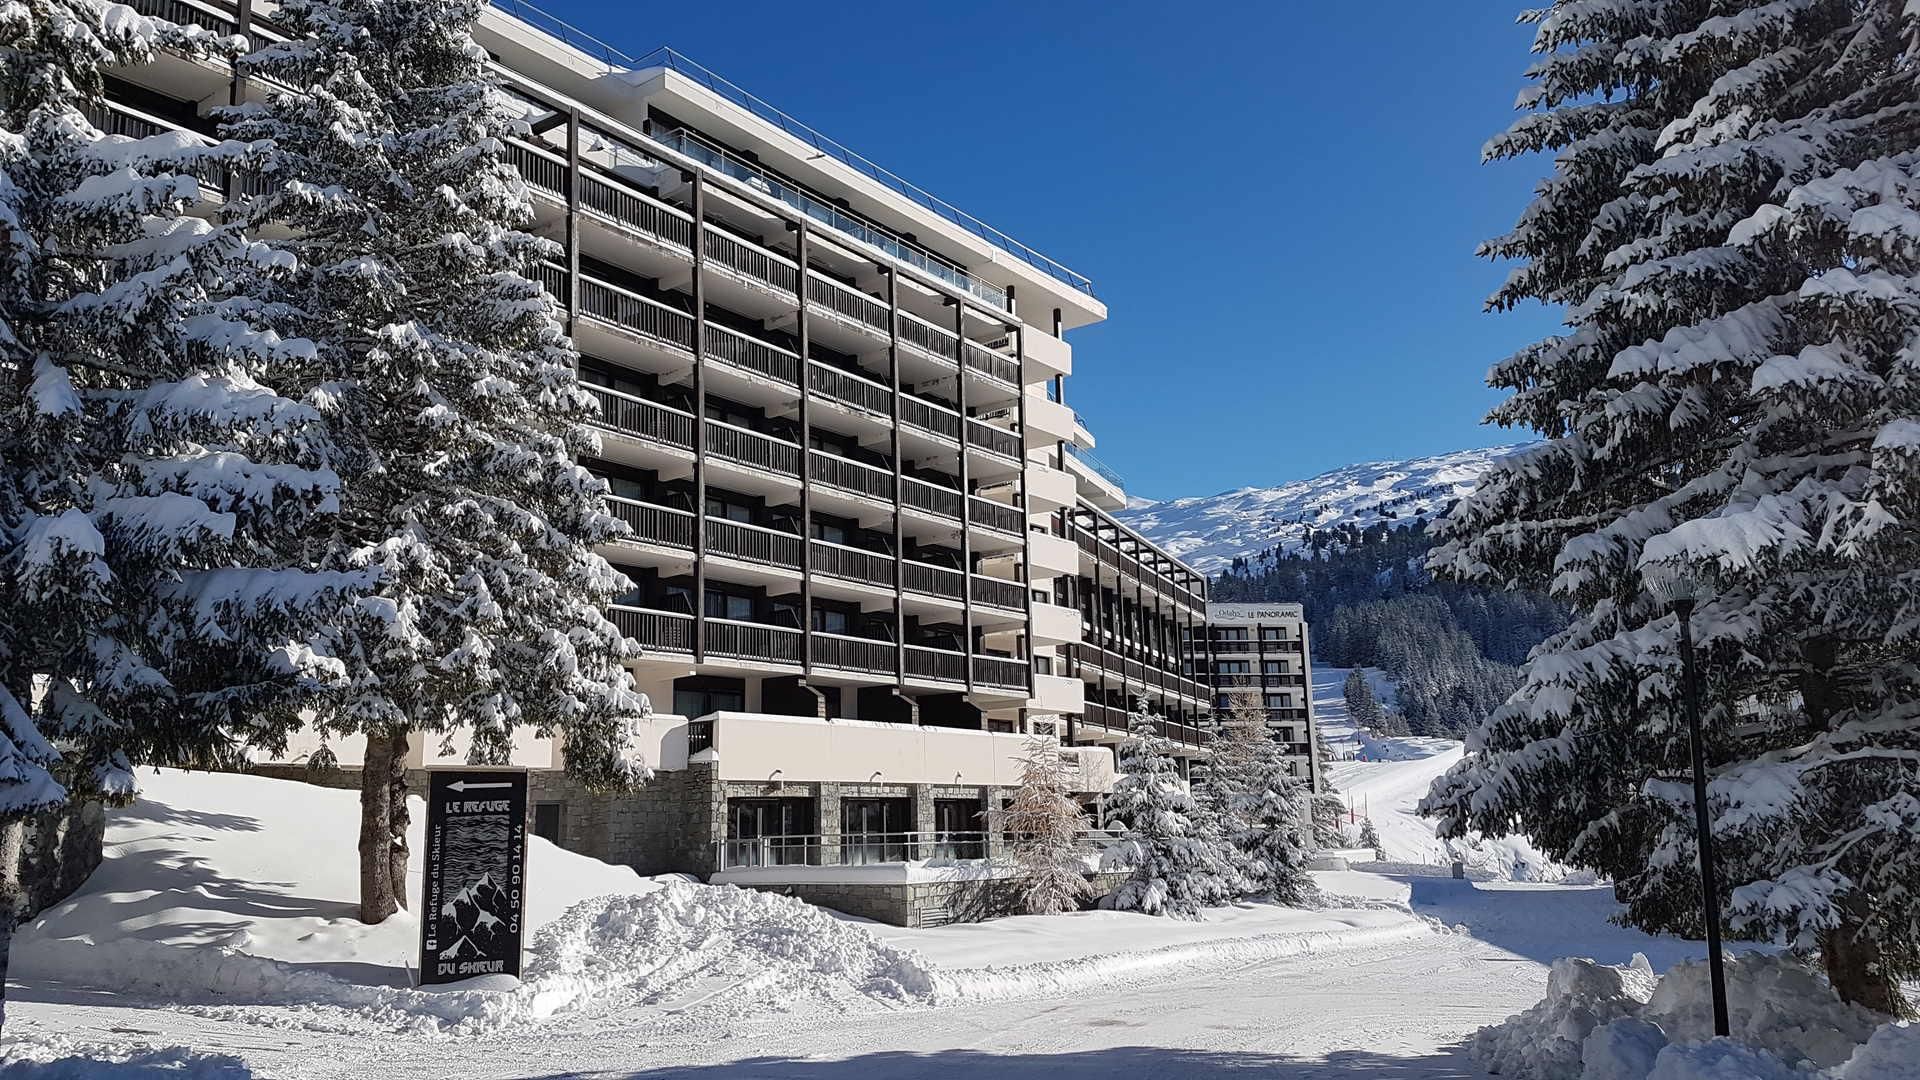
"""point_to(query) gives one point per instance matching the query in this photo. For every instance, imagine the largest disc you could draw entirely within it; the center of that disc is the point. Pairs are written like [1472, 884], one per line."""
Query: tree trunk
[13, 841]
[376, 815]
[397, 819]
[1858, 971]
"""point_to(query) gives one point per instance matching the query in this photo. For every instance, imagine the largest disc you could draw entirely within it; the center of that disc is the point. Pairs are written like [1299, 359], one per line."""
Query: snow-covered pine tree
[1734, 225]
[1329, 820]
[1260, 804]
[1370, 838]
[1044, 826]
[152, 473]
[460, 410]
[1177, 864]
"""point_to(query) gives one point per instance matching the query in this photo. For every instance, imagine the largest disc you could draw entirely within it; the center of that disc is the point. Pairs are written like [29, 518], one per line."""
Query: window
[696, 701]
[1233, 667]
[1229, 633]
[546, 821]
[1273, 633]
[721, 605]
[875, 830]
[720, 505]
[1275, 667]
[831, 533]
[829, 621]
[1279, 701]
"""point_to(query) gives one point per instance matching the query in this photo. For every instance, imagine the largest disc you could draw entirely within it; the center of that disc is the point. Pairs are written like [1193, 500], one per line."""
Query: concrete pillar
[923, 820]
[996, 837]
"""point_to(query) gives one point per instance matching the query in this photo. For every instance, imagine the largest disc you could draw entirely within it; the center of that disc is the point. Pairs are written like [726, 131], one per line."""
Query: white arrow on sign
[462, 785]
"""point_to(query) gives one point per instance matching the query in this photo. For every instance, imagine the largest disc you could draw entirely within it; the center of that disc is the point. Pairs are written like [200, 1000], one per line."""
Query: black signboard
[473, 895]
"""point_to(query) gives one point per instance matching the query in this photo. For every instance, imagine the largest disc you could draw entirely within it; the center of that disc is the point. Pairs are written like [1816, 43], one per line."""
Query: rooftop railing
[1099, 467]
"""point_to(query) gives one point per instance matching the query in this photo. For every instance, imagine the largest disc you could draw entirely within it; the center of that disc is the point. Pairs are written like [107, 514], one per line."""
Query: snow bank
[56, 1057]
[1599, 1022]
[236, 895]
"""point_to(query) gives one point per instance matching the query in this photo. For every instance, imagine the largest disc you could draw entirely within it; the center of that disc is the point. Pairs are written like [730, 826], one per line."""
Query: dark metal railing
[1000, 671]
[738, 540]
[994, 515]
[653, 524]
[847, 302]
[933, 580]
[852, 653]
[751, 260]
[938, 664]
[999, 593]
[849, 389]
[930, 417]
[992, 364]
[853, 564]
[928, 338]
[636, 212]
[847, 474]
[929, 497]
[630, 415]
[632, 312]
[659, 630]
[753, 355]
[737, 444]
[753, 641]
[992, 439]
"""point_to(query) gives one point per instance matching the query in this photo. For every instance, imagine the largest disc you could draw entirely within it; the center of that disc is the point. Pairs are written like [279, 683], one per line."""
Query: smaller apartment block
[1262, 648]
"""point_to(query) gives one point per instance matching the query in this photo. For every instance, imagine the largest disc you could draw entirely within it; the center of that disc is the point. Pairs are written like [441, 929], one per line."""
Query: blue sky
[1278, 202]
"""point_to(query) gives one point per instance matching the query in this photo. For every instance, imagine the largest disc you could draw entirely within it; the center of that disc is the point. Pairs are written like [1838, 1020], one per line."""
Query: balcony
[847, 304]
[937, 665]
[1001, 369]
[931, 498]
[868, 656]
[853, 391]
[759, 642]
[938, 420]
[652, 524]
[930, 340]
[639, 418]
[992, 439]
[850, 564]
[635, 214]
[930, 580]
[993, 515]
[742, 446]
[1001, 672]
[752, 355]
[995, 592]
[749, 262]
[639, 316]
[848, 475]
[754, 544]
[654, 631]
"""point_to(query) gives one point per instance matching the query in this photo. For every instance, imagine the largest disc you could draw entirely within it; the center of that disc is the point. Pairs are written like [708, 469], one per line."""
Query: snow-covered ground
[218, 941]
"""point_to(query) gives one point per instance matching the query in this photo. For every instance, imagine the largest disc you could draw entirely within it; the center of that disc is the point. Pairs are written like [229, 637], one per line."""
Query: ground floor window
[876, 830]
[770, 832]
[959, 829]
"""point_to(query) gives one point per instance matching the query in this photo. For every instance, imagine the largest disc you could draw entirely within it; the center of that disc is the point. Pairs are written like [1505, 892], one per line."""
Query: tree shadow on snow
[1544, 923]
[1130, 1062]
[162, 814]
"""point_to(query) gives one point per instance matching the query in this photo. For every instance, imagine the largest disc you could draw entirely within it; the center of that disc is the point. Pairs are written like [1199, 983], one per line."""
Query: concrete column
[923, 821]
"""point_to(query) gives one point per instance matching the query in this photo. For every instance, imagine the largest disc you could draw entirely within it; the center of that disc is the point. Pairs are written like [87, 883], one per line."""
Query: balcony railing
[636, 314]
[932, 498]
[634, 212]
[659, 631]
[927, 416]
[940, 665]
[653, 524]
[849, 475]
[847, 302]
[992, 439]
[1099, 467]
[851, 563]
[999, 593]
[752, 543]
[185, 14]
[541, 169]
[753, 641]
[744, 447]
[928, 338]
[751, 261]
[991, 364]
[867, 655]
[994, 515]
[644, 419]
[752, 355]
[849, 389]
[1000, 671]
[929, 579]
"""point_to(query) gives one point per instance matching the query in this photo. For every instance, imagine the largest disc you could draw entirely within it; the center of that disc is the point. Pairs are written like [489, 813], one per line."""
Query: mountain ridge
[1209, 532]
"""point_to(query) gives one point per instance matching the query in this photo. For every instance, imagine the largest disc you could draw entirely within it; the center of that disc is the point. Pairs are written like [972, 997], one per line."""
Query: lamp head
[1675, 583]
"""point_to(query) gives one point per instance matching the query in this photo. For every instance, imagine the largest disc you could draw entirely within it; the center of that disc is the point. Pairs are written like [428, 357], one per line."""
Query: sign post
[473, 893]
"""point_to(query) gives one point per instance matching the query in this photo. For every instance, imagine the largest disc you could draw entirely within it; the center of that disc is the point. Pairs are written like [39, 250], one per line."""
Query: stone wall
[928, 903]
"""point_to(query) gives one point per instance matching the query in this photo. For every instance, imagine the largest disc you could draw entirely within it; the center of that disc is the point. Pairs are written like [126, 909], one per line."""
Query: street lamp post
[1682, 590]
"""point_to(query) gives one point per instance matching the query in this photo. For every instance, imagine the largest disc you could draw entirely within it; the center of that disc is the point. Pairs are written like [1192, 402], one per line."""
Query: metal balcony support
[899, 527]
[806, 464]
[573, 219]
[966, 490]
[699, 423]
[243, 26]
[1026, 504]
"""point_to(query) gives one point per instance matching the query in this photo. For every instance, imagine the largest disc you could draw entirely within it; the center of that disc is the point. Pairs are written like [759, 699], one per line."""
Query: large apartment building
[868, 548]
[1262, 650]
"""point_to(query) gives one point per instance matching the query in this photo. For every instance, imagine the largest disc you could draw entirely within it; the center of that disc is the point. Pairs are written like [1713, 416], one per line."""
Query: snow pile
[1544, 1043]
[1600, 1022]
[56, 1057]
[234, 896]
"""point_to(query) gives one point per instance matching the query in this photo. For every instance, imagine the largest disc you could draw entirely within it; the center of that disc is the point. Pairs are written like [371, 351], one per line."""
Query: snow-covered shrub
[1044, 826]
[1178, 867]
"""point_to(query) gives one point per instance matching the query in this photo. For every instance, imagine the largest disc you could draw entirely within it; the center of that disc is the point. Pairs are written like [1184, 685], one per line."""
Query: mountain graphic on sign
[462, 949]
[478, 914]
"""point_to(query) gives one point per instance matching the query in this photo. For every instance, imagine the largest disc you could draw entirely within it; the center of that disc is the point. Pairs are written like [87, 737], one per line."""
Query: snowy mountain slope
[1209, 532]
